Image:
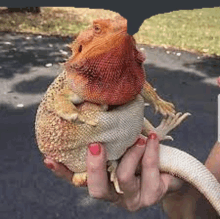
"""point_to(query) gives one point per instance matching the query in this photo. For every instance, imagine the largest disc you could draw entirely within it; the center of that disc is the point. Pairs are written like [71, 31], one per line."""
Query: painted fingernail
[95, 149]
[140, 142]
[49, 165]
[152, 136]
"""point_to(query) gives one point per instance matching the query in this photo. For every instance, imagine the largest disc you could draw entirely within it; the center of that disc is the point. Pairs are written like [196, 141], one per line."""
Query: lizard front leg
[150, 96]
[64, 106]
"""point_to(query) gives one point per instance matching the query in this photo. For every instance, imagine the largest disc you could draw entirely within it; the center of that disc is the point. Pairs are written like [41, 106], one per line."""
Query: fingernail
[49, 165]
[152, 136]
[95, 149]
[140, 142]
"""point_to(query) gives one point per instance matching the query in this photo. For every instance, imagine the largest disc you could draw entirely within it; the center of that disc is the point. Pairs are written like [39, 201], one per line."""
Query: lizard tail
[185, 166]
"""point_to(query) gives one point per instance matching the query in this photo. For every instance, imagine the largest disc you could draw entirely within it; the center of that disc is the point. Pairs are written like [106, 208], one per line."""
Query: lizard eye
[97, 29]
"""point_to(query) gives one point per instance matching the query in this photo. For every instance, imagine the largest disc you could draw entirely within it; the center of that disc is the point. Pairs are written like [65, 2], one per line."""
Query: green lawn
[195, 30]
[186, 29]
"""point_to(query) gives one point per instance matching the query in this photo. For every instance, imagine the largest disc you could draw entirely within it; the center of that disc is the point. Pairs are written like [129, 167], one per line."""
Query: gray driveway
[28, 64]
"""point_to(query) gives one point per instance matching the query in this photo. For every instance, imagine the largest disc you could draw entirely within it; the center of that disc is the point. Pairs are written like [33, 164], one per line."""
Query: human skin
[213, 161]
[185, 202]
[188, 202]
[139, 191]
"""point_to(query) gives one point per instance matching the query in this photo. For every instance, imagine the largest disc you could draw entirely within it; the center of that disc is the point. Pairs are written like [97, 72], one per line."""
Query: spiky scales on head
[106, 59]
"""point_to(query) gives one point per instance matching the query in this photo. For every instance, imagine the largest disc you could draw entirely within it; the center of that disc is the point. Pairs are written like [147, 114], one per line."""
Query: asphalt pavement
[28, 64]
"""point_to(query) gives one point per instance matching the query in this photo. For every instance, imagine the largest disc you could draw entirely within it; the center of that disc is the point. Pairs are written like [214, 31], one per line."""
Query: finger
[171, 183]
[151, 188]
[129, 183]
[59, 169]
[98, 182]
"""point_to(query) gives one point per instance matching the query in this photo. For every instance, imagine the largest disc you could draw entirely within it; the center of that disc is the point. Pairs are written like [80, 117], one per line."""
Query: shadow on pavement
[21, 52]
[208, 65]
[37, 85]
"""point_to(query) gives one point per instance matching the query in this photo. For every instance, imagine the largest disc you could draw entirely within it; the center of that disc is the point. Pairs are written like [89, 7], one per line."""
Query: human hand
[58, 169]
[138, 191]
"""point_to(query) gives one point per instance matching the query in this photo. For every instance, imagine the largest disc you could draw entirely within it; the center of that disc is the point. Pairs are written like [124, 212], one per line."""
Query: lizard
[104, 72]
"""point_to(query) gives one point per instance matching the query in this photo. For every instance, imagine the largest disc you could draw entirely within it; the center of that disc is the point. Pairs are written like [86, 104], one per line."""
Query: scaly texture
[185, 166]
[106, 64]
[66, 141]
[105, 73]
[106, 68]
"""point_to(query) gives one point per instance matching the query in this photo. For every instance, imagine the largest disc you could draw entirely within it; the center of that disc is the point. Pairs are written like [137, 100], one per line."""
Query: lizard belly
[119, 138]
[67, 142]
[64, 141]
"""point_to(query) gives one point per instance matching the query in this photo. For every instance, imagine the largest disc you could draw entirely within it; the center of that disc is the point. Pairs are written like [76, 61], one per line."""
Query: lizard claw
[168, 137]
[169, 123]
[164, 107]
[113, 177]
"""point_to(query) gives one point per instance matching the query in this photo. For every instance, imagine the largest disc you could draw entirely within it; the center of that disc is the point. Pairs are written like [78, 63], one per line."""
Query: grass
[197, 30]
[51, 21]
[194, 30]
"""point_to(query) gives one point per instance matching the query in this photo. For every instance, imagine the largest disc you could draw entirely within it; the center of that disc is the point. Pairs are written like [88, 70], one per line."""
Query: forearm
[188, 202]
[213, 161]
[149, 94]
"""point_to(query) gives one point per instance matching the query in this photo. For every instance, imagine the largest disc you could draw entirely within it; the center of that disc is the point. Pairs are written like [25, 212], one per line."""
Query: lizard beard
[114, 77]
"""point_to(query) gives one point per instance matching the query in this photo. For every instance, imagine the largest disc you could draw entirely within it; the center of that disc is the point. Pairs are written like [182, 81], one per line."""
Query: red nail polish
[140, 141]
[95, 149]
[49, 165]
[152, 136]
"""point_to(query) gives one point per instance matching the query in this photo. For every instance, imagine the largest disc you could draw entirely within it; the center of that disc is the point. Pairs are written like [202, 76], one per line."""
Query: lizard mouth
[80, 48]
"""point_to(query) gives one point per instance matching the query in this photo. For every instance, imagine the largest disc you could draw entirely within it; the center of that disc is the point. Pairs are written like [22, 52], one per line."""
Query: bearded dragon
[105, 71]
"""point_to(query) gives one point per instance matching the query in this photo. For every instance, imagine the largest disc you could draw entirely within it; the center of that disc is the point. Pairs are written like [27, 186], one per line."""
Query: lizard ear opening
[80, 48]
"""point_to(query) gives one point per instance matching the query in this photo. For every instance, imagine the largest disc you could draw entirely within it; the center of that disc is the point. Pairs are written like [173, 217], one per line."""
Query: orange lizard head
[106, 56]
[100, 38]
